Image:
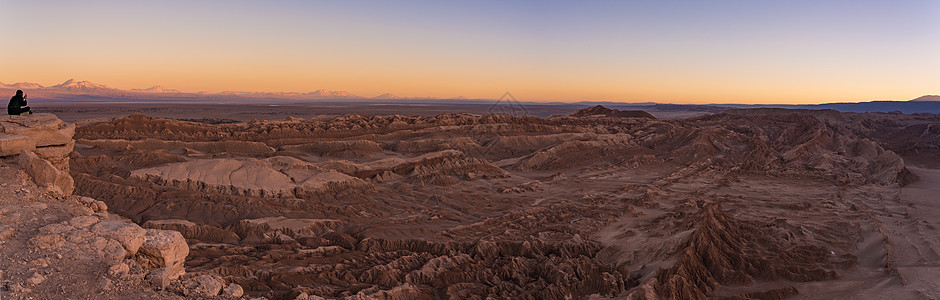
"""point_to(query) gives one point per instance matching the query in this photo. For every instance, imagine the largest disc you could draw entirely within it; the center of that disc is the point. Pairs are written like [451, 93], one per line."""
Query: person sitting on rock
[17, 104]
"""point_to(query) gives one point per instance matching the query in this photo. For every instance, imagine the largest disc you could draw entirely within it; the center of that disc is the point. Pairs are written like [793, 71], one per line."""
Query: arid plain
[593, 203]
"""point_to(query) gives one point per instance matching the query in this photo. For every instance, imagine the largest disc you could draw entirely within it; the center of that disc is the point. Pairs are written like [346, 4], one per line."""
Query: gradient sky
[630, 51]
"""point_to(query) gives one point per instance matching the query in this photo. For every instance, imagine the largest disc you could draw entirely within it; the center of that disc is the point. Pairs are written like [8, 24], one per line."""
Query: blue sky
[667, 51]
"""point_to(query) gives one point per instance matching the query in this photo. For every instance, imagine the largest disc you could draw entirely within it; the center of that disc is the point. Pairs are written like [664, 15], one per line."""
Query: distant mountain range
[74, 89]
[84, 90]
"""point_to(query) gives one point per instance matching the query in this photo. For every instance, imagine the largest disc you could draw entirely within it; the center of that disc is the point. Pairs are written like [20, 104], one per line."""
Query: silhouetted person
[17, 104]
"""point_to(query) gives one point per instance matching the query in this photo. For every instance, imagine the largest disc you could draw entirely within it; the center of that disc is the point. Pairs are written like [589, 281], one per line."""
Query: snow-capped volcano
[27, 85]
[329, 94]
[387, 96]
[75, 85]
[157, 89]
[21, 85]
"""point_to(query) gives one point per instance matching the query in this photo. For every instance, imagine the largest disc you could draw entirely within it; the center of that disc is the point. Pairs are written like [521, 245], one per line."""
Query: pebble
[36, 279]
[37, 205]
[7, 234]
[106, 284]
[118, 270]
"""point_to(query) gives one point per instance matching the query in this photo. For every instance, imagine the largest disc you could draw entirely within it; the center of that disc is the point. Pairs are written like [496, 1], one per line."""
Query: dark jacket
[16, 102]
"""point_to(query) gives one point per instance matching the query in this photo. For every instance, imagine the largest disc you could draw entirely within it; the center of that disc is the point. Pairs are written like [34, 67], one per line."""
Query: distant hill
[907, 107]
[601, 111]
[927, 98]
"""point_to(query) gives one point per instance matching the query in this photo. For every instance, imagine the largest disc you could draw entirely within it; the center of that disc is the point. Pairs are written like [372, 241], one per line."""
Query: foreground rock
[164, 248]
[57, 245]
[43, 144]
[43, 129]
[46, 175]
[61, 248]
[11, 144]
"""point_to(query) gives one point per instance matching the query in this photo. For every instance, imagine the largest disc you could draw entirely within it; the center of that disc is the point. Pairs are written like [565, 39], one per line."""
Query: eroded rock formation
[600, 202]
[42, 143]
[92, 251]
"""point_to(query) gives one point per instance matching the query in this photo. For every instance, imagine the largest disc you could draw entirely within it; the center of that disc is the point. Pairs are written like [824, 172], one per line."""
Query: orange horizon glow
[598, 53]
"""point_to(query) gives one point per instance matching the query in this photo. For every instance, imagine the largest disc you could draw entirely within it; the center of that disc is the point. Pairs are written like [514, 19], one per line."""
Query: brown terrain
[599, 203]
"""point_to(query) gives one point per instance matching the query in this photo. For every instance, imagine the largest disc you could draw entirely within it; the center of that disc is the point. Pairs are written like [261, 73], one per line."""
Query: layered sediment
[752, 204]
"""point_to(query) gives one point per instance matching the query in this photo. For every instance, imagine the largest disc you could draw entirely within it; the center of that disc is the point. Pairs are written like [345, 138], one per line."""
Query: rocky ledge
[57, 245]
[42, 143]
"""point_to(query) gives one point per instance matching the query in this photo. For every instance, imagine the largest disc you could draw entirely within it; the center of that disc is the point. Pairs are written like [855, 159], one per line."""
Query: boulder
[109, 249]
[164, 248]
[129, 235]
[233, 290]
[36, 279]
[118, 270]
[160, 278]
[44, 128]
[203, 285]
[7, 234]
[47, 241]
[95, 205]
[83, 221]
[57, 155]
[11, 144]
[99, 206]
[45, 174]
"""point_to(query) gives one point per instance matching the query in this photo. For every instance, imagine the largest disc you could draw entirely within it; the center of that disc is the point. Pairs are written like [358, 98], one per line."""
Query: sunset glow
[680, 52]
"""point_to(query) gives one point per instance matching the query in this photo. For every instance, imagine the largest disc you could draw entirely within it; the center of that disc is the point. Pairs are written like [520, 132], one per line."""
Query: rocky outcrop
[12, 144]
[272, 177]
[723, 250]
[272, 227]
[43, 143]
[446, 162]
[417, 269]
[165, 251]
[161, 250]
[129, 235]
[64, 247]
[203, 285]
[56, 181]
[601, 111]
[824, 143]
[194, 231]
[240, 147]
[43, 129]
[164, 248]
[341, 149]
[571, 153]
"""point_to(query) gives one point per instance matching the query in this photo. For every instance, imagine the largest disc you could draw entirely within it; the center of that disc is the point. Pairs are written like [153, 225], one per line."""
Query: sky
[720, 51]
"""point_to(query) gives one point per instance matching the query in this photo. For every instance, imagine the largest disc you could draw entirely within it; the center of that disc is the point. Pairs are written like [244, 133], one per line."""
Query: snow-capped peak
[73, 84]
[157, 89]
[387, 96]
